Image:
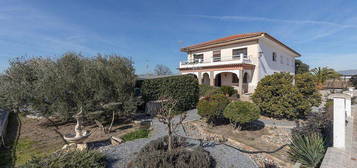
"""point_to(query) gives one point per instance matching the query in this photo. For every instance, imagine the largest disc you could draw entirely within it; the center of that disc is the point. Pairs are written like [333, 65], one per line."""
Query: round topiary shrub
[240, 113]
[156, 155]
[228, 90]
[277, 97]
[72, 159]
[212, 107]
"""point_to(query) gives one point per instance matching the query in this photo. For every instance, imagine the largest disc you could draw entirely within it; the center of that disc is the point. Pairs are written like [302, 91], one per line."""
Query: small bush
[212, 107]
[73, 159]
[306, 84]
[277, 97]
[141, 133]
[183, 88]
[307, 149]
[206, 90]
[228, 90]
[156, 155]
[241, 112]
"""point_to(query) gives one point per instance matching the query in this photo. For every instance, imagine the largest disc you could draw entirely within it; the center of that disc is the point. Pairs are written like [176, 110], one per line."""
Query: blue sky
[151, 32]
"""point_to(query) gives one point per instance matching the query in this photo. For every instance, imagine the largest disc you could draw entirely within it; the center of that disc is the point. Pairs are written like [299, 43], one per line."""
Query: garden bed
[255, 139]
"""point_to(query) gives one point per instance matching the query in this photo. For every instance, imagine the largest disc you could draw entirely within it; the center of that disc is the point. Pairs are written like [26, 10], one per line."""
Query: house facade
[239, 60]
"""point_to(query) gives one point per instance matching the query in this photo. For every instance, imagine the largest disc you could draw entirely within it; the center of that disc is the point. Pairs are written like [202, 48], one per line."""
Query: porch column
[211, 78]
[199, 77]
[240, 77]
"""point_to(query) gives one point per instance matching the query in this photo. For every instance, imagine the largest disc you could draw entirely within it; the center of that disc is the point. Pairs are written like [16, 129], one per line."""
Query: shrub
[73, 159]
[206, 90]
[241, 112]
[306, 85]
[156, 155]
[228, 90]
[141, 133]
[277, 97]
[307, 149]
[183, 88]
[354, 81]
[212, 107]
[301, 67]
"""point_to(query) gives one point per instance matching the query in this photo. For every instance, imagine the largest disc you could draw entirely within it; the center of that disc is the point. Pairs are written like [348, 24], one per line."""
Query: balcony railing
[234, 59]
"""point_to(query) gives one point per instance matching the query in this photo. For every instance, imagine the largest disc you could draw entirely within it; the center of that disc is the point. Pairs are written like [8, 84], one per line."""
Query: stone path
[226, 157]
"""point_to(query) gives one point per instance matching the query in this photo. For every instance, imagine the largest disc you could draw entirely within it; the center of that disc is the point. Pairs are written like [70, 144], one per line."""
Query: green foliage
[73, 159]
[277, 97]
[207, 90]
[183, 88]
[301, 67]
[307, 87]
[354, 81]
[324, 73]
[156, 155]
[141, 133]
[212, 107]
[241, 112]
[60, 87]
[228, 90]
[308, 149]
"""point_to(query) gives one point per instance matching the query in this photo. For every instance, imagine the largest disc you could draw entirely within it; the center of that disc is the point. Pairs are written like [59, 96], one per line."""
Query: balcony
[235, 59]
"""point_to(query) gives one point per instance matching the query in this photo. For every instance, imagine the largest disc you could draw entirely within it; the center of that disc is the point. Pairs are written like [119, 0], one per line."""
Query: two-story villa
[239, 60]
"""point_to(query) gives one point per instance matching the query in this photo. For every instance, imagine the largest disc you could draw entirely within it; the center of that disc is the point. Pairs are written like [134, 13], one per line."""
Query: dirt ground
[36, 138]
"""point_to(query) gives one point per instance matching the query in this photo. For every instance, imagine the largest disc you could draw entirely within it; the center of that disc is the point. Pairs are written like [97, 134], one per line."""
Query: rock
[69, 147]
[116, 141]
[82, 147]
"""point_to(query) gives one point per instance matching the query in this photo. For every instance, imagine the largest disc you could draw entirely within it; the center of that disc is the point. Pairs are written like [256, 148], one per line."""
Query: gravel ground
[226, 157]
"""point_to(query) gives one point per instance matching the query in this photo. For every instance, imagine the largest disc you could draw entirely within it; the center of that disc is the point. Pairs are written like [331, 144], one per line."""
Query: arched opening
[226, 79]
[245, 78]
[205, 79]
[218, 80]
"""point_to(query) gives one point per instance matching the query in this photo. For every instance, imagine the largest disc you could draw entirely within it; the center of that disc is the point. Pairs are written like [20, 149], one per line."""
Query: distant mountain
[348, 72]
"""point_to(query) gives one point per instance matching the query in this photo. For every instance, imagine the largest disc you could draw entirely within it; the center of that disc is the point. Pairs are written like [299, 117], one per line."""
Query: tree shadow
[8, 152]
[253, 126]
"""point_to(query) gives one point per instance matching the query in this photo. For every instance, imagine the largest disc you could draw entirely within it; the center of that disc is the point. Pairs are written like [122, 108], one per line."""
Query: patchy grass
[26, 149]
[140, 133]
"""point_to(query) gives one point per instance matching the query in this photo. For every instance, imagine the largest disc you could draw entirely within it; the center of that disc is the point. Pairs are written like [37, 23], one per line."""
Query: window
[281, 59]
[274, 56]
[235, 78]
[197, 58]
[238, 53]
[216, 55]
[287, 61]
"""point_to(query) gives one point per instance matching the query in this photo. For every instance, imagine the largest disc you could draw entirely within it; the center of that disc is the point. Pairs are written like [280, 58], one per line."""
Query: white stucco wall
[285, 61]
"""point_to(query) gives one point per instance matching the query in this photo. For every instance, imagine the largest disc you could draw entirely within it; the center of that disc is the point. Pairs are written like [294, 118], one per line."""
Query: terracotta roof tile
[233, 37]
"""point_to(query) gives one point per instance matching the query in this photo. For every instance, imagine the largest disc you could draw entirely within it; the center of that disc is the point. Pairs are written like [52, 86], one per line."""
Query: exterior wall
[285, 61]
[226, 51]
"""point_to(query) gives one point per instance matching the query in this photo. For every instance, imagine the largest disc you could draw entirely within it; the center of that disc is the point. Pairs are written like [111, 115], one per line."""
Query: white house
[238, 60]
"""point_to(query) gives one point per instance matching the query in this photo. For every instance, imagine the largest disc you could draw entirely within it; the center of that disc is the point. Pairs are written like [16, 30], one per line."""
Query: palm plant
[307, 149]
[324, 73]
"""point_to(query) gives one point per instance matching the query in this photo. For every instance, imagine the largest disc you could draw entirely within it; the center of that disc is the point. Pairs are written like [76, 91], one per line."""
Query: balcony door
[197, 58]
[217, 56]
[239, 53]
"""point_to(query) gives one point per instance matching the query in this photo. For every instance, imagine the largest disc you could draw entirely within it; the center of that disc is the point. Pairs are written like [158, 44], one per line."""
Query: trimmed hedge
[241, 112]
[212, 107]
[183, 88]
